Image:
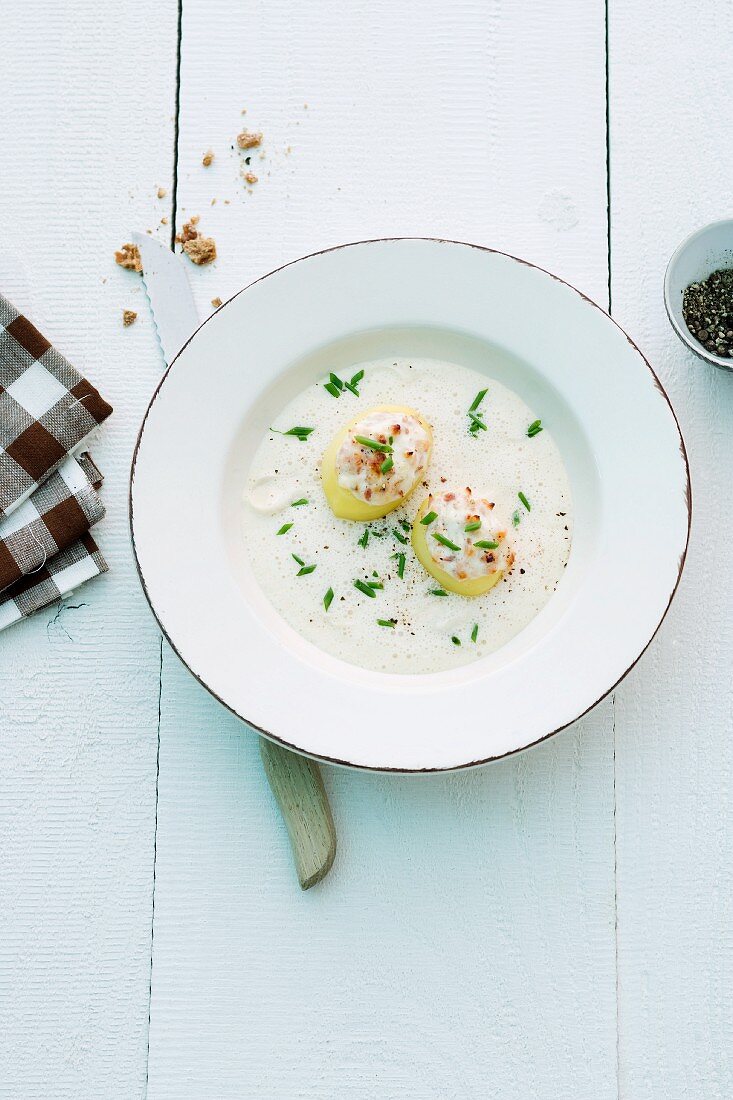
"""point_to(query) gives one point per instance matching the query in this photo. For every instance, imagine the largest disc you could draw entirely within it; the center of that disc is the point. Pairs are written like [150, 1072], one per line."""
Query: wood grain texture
[87, 97]
[463, 944]
[671, 161]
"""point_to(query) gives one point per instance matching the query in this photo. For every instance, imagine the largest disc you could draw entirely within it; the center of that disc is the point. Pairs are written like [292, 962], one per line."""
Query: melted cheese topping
[456, 509]
[359, 467]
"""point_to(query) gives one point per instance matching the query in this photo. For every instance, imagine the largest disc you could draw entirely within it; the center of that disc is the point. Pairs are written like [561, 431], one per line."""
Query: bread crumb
[163, 221]
[162, 192]
[201, 250]
[248, 139]
[194, 219]
[216, 302]
[188, 233]
[129, 257]
[250, 177]
[213, 202]
[129, 317]
[207, 159]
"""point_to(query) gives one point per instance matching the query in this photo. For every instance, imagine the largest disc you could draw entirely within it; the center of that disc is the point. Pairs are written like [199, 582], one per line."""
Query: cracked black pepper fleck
[708, 311]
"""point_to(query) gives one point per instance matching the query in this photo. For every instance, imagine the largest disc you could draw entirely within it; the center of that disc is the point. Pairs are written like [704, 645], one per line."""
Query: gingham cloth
[56, 515]
[47, 410]
[48, 496]
[61, 575]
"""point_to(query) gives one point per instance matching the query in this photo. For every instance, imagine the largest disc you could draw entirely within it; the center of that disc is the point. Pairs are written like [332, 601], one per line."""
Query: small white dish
[609, 416]
[703, 252]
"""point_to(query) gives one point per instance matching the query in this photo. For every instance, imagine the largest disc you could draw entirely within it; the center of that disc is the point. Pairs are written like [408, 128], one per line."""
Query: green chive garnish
[296, 558]
[477, 423]
[300, 433]
[304, 570]
[405, 525]
[473, 526]
[373, 444]
[333, 390]
[364, 538]
[336, 381]
[438, 592]
[385, 622]
[387, 464]
[446, 542]
[486, 544]
[516, 519]
[456, 641]
[298, 503]
[401, 559]
[353, 384]
[399, 536]
[534, 429]
[284, 529]
[328, 598]
[365, 589]
[478, 399]
[474, 633]
[429, 518]
[375, 584]
[525, 502]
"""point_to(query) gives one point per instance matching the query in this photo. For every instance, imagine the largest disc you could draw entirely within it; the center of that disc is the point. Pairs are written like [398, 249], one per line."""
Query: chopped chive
[336, 381]
[364, 538]
[486, 544]
[456, 641]
[473, 526]
[478, 399]
[373, 444]
[534, 429]
[516, 519]
[429, 518]
[477, 423]
[399, 536]
[296, 558]
[328, 598]
[284, 529]
[380, 534]
[304, 570]
[298, 503]
[300, 433]
[387, 464]
[375, 574]
[333, 390]
[375, 584]
[351, 388]
[405, 525]
[438, 592]
[445, 542]
[356, 378]
[365, 589]
[386, 622]
[401, 559]
[474, 633]
[525, 502]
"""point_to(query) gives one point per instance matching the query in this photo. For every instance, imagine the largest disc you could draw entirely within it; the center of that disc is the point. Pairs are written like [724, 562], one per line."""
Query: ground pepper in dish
[708, 311]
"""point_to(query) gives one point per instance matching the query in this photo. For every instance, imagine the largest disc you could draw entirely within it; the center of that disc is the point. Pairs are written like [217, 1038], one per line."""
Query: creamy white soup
[476, 539]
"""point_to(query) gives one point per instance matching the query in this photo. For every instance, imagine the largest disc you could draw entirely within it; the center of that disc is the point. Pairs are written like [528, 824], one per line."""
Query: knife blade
[294, 780]
[169, 293]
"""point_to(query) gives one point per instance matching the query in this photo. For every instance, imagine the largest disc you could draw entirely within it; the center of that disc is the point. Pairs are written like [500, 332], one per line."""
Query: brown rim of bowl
[472, 763]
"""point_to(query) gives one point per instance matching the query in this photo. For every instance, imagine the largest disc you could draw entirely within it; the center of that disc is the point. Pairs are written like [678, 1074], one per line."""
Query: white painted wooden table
[556, 925]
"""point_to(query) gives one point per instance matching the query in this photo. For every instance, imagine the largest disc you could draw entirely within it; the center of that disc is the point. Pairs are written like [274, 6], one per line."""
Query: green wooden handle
[298, 788]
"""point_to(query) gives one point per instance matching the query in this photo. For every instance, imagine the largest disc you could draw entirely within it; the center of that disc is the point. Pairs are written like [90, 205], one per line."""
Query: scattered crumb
[216, 302]
[149, 232]
[163, 221]
[129, 257]
[305, 106]
[248, 139]
[200, 250]
[129, 317]
[250, 177]
[162, 192]
[213, 202]
[207, 159]
[188, 233]
[288, 151]
[244, 110]
[227, 201]
[194, 219]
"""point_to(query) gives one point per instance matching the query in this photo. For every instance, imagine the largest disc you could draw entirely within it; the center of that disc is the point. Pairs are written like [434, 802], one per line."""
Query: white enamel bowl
[594, 390]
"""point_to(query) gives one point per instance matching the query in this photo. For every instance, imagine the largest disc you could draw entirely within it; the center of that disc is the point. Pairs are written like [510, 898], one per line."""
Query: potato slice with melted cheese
[466, 562]
[373, 464]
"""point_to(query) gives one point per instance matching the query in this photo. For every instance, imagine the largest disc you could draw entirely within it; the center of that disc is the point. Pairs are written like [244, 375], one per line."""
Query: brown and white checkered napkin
[47, 410]
[48, 497]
